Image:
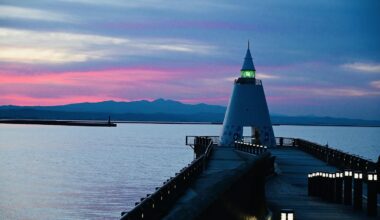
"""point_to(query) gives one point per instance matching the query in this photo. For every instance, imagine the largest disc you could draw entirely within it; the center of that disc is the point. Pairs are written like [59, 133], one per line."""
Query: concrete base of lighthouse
[247, 108]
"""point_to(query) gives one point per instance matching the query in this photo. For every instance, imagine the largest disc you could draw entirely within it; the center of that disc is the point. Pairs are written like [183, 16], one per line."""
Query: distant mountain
[139, 107]
[159, 110]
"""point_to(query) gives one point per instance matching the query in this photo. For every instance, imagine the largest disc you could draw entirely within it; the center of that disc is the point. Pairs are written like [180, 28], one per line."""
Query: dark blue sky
[314, 57]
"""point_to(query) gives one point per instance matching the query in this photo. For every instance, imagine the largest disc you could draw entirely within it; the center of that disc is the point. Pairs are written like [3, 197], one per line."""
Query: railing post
[372, 193]
[281, 141]
[358, 190]
[347, 187]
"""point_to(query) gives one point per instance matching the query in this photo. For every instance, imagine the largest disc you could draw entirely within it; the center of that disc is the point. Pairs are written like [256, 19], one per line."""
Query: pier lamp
[339, 175]
[287, 214]
[348, 173]
[372, 177]
[358, 175]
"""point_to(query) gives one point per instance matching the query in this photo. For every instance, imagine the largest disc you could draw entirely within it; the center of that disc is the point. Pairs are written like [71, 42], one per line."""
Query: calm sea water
[58, 172]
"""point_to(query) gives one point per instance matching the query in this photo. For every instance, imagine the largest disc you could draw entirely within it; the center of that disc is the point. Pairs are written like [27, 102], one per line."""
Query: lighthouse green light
[247, 74]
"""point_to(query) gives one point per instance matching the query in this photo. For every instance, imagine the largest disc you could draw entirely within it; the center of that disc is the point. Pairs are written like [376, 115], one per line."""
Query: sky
[317, 58]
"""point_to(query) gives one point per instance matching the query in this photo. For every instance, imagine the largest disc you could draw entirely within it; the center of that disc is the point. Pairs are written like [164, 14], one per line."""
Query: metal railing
[285, 141]
[155, 205]
[190, 140]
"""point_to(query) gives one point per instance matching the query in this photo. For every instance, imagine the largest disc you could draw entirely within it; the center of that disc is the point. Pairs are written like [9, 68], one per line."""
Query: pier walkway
[288, 188]
[223, 164]
[251, 181]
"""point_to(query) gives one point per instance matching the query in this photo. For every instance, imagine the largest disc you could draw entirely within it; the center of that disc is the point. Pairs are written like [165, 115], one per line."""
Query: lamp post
[347, 187]
[331, 187]
[310, 184]
[287, 214]
[358, 190]
[317, 184]
[325, 185]
[338, 187]
[372, 194]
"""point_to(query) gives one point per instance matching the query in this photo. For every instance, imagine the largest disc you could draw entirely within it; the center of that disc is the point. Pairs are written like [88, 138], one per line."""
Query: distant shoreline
[102, 123]
[220, 123]
[88, 123]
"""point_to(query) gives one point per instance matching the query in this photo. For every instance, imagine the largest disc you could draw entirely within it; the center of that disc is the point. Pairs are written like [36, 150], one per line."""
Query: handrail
[154, 205]
[332, 156]
[336, 157]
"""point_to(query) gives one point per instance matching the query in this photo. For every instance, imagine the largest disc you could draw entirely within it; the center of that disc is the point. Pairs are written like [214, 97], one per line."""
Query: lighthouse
[247, 108]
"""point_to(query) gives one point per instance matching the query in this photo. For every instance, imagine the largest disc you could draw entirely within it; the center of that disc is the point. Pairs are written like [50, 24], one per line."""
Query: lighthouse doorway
[251, 135]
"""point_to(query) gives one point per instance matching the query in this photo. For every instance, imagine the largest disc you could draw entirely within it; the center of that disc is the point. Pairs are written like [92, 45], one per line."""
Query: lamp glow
[287, 214]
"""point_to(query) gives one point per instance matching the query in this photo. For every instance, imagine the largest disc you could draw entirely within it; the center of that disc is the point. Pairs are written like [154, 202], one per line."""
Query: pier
[252, 181]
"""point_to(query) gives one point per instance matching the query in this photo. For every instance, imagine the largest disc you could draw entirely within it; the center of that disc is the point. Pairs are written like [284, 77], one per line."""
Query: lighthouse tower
[247, 108]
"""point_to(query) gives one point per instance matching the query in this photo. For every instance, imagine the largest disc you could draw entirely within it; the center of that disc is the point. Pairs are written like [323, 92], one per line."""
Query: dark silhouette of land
[158, 111]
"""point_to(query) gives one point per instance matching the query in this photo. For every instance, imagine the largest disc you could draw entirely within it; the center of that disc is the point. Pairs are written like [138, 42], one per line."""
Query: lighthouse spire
[248, 69]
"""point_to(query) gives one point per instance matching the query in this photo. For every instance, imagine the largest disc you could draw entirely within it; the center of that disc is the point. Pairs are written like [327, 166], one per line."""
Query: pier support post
[372, 194]
[347, 187]
[338, 187]
[358, 190]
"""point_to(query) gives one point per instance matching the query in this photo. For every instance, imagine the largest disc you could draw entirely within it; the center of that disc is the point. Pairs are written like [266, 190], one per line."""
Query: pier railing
[332, 156]
[155, 205]
[191, 140]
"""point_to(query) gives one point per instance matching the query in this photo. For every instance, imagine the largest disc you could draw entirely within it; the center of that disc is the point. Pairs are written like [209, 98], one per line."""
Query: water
[58, 172]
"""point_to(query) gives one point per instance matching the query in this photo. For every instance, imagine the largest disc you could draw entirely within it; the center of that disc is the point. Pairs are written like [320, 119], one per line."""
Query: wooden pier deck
[225, 166]
[288, 189]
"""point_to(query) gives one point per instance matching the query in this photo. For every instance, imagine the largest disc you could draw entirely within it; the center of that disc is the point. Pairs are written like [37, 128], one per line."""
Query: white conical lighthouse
[247, 108]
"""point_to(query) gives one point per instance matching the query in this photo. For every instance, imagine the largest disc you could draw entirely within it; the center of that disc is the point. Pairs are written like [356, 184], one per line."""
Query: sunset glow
[191, 52]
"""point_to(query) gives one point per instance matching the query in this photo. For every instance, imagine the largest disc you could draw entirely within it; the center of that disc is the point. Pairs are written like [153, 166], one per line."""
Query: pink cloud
[47, 87]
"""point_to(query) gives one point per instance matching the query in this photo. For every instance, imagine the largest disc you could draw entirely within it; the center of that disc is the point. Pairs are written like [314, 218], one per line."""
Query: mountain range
[159, 110]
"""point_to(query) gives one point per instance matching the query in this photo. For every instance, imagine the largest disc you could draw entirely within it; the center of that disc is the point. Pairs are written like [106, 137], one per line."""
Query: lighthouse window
[247, 74]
